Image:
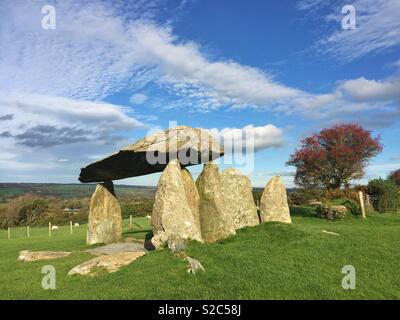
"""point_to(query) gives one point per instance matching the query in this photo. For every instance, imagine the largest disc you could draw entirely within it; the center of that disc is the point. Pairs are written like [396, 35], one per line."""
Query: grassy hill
[269, 261]
[67, 191]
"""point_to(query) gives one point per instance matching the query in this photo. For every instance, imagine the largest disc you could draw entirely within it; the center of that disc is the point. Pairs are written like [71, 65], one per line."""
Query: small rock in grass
[176, 244]
[194, 265]
[330, 232]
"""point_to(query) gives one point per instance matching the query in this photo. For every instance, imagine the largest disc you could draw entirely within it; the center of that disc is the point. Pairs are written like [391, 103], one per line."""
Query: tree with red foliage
[334, 156]
[395, 177]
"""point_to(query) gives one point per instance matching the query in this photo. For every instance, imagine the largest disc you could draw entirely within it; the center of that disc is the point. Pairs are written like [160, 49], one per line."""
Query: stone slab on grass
[111, 262]
[119, 247]
[27, 255]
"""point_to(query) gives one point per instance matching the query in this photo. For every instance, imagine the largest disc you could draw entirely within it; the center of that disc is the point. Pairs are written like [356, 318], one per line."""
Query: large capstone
[105, 223]
[152, 154]
[273, 203]
[175, 210]
[237, 192]
[216, 220]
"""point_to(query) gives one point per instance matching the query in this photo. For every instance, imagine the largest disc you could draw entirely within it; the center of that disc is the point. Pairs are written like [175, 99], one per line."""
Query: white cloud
[309, 4]
[208, 84]
[396, 64]
[88, 56]
[46, 131]
[257, 138]
[378, 27]
[55, 81]
[373, 103]
[31, 110]
[138, 98]
[95, 52]
[363, 89]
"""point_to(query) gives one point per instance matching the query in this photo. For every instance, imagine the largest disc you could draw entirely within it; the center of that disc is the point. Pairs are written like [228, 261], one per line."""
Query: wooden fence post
[70, 226]
[361, 198]
[49, 229]
[130, 222]
[28, 231]
[9, 233]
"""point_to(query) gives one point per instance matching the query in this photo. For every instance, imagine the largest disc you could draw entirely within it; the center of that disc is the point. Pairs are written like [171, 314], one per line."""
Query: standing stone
[172, 211]
[238, 195]
[215, 220]
[105, 223]
[192, 195]
[273, 203]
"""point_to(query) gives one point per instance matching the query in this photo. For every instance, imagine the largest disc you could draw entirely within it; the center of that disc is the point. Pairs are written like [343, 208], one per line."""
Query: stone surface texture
[111, 262]
[105, 222]
[173, 213]
[273, 203]
[216, 221]
[151, 154]
[238, 195]
[27, 255]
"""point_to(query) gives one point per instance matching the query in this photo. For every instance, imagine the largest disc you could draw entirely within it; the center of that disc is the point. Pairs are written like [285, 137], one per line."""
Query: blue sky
[111, 71]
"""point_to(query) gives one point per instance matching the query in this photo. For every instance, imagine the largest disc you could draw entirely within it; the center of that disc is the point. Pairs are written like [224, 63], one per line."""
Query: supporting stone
[237, 192]
[192, 195]
[175, 210]
[105, 222]
[273, 203]
[215, 220]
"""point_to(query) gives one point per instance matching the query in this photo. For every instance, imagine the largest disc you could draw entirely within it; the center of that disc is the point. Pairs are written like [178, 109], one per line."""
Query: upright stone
[273, 203]
[172, 211]
[215, 219]
[238, 195]
[192, 195]
[105, 223]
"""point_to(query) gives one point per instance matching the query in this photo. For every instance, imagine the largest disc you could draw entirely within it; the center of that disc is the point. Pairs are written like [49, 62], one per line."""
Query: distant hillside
[67, 191]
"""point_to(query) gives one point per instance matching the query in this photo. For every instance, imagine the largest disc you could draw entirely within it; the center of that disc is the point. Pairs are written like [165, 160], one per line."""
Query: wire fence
[62, 231]
[383, 204]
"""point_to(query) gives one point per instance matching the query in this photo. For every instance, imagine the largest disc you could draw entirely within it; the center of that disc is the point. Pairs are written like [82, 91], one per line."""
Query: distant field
[269, 261]
[67, 191]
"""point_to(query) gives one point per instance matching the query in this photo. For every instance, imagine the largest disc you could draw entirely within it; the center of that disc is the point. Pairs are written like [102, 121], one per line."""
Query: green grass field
[270, 261]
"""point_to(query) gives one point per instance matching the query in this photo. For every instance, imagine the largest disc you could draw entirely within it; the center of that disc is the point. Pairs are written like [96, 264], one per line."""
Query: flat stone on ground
[27, 255]
[119, 247]
[111, 262]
